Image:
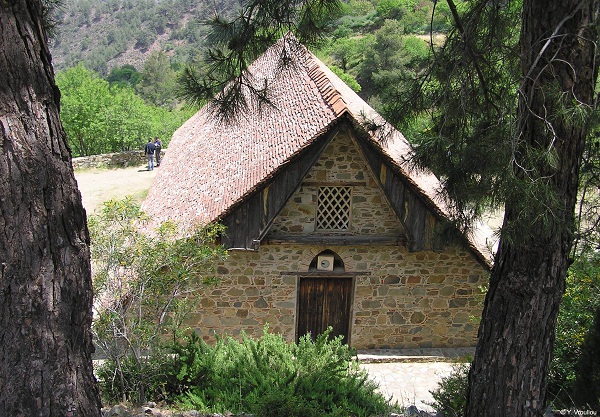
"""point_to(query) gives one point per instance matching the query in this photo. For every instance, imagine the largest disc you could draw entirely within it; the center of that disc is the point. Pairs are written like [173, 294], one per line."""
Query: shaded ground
[409, 383]
[100, 185]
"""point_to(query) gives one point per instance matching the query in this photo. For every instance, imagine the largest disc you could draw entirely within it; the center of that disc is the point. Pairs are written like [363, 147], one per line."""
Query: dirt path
[100, 185]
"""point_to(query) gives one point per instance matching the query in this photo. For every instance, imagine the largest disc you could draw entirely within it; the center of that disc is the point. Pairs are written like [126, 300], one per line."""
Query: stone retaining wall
[112, 160]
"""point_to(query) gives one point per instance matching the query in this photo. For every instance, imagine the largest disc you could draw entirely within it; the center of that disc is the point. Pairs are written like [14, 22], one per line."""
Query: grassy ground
[100, 185]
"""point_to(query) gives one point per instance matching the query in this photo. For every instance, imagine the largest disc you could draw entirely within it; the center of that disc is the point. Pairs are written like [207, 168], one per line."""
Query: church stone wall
[401, 299]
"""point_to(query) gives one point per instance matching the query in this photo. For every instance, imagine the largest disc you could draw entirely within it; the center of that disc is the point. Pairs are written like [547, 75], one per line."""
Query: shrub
[586, 388]
[125, 378]
[270, 377]
[144, 286]
[450, 398]
[580, 301]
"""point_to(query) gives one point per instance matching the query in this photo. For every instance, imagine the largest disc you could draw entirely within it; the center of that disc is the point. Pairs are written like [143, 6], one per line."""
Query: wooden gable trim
[417, 217]
[427, 227]
[248, 222]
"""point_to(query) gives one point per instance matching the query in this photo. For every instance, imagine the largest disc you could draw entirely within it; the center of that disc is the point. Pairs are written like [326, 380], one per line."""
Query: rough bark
[45, 279]
[516, 335]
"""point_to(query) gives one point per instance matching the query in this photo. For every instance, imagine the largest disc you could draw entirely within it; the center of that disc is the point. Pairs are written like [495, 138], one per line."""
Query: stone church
[328, 224]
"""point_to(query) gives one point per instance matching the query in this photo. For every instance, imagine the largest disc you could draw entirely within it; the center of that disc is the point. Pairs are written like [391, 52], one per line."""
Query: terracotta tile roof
[209, 167]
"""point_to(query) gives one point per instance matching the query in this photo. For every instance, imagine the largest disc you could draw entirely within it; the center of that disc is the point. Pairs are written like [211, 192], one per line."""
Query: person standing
[149, 152]
[158, 149]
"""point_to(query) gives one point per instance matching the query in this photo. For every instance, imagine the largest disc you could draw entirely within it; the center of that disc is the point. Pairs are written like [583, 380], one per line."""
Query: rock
[413, 411]
[118, 410]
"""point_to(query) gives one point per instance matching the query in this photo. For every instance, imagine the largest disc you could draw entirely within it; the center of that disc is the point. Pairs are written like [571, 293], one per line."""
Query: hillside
[111, 33]
[104, 34]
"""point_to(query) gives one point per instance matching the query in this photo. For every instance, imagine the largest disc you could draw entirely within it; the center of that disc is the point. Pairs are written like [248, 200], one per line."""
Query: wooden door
[324, 302]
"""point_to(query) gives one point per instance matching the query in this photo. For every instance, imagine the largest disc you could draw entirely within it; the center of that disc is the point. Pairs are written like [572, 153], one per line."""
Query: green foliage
[586, 389]
[98, 118]
[468, 92]
[189, 38]
[579, 304]
[417, 49]
[346, 78]
[125, 76]
[391, 9]
[389, 64]
[347, 53]
[450, 397]
[360, 7]
[144, 285]
[157, 86]
[126, 379]
[269, 377]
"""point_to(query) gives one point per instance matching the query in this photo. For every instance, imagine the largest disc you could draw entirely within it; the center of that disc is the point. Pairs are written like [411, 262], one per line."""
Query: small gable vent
[328, 261]
[333, 208]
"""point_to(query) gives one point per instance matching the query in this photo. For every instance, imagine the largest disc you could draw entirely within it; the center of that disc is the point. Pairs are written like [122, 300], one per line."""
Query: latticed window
[333, 208]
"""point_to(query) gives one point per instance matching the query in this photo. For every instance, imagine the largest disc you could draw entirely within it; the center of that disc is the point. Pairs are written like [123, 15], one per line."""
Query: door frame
[328, 276]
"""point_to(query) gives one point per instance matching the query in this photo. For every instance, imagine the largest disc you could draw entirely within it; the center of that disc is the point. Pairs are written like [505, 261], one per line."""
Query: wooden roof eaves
[371, 141]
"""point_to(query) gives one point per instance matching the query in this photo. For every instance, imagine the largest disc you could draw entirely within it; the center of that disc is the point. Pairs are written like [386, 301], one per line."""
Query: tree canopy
[100, 118]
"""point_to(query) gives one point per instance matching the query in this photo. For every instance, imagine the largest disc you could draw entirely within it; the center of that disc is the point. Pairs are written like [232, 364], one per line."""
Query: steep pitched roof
[209, 166]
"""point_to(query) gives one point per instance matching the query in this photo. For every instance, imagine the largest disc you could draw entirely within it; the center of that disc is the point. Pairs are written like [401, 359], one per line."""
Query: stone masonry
[401, 299]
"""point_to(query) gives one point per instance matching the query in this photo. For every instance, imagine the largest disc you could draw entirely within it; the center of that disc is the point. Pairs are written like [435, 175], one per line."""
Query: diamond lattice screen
[333, 208]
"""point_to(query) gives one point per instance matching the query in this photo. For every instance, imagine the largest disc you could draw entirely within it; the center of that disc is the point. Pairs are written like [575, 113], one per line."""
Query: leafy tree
[389, 63]
[390, 9]
[45, 280]
[145, 285]
[84, 97]
[124, 76]
[99, 118]
[347, 53]
[510, 116]
[158, 81]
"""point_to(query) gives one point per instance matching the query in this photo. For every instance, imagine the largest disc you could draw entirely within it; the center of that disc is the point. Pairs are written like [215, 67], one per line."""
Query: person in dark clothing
[158, 148]
[149, 152]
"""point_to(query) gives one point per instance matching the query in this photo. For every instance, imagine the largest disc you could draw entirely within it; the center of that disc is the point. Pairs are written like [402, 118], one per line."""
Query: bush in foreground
[450, 397]
[267, 377]
[270, 377]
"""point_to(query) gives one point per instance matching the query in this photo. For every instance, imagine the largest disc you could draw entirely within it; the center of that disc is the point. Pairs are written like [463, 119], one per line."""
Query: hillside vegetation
[103, 34]
[129, 54]
[111, 33]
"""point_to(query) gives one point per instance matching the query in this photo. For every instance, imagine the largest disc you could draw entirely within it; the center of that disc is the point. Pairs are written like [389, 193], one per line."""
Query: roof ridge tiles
[328, 91]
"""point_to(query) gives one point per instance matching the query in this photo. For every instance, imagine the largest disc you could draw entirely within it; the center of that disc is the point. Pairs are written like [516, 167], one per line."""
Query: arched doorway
[325, 298]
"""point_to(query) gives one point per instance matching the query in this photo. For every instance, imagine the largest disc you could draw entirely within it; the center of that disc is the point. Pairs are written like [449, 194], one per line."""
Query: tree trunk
[45, 279]
[516, 336]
